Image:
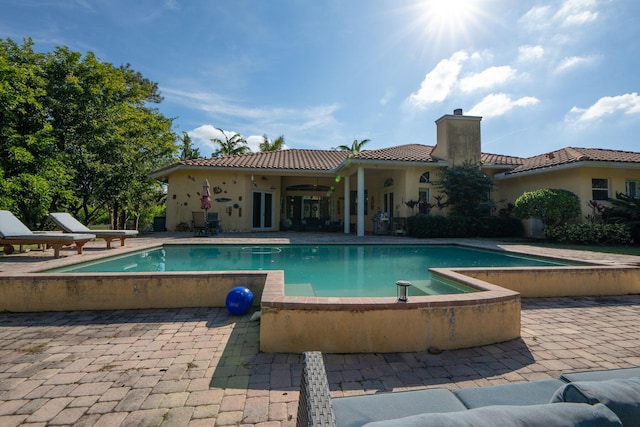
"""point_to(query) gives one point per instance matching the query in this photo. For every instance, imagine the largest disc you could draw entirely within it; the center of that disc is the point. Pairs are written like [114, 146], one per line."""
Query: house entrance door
[262, 210]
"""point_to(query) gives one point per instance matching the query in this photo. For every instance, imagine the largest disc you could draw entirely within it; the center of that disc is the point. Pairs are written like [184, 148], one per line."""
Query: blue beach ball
[239, 300]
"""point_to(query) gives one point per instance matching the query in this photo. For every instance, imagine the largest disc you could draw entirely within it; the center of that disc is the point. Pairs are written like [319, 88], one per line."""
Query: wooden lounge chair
[69, 224]
[14, 232]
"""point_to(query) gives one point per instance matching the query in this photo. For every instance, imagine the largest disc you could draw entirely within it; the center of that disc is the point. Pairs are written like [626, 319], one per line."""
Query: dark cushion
[549, 415]
[358, 410]
[528, 393]
[607, 374]
[621, 396]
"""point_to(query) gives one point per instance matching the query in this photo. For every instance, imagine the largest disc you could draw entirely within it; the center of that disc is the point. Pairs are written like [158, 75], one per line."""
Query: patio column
[347, 204]
[361, 201]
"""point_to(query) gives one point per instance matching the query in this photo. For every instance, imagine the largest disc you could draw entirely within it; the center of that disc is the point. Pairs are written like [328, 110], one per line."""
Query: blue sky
[543, 74]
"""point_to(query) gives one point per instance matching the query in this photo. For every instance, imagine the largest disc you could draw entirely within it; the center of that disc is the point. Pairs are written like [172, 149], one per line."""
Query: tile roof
[570, 155]
[292, 159]
[330, 160]
[406, 153]
[500, 159]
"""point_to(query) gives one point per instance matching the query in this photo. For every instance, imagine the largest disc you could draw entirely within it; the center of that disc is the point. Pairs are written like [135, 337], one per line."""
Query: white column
[361, 201]
[347, 204]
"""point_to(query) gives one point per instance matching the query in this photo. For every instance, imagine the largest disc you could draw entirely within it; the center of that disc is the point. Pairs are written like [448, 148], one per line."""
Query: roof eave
[571, 165]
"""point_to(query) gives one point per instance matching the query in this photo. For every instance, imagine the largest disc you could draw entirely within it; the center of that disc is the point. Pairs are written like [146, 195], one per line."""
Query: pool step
[422, 286]
[299, 289]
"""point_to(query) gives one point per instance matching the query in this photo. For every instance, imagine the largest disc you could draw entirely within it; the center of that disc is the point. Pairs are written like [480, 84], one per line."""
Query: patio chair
[69, 224]
[14, 232]
[213, 222]
[200, 225]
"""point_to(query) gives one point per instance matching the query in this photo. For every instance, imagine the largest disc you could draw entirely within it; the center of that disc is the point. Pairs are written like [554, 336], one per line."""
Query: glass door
[262, 210]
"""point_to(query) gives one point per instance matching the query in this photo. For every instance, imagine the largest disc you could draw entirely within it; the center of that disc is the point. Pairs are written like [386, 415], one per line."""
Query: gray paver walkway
[202, 367]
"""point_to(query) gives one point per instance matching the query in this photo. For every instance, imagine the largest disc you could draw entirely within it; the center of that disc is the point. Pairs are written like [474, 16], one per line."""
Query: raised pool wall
[371, 325]
[560, 281]
[34, 292]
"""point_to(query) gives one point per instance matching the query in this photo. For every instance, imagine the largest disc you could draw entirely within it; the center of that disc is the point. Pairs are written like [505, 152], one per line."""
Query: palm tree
[230, 146]
[356, 146]
[276, 145]
[188, 150]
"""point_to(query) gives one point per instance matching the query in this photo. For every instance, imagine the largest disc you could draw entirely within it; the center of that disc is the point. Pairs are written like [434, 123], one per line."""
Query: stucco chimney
[458, 138]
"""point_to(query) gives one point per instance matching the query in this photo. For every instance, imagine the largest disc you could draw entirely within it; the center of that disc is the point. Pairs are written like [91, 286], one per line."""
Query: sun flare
[449, 9]
[450, 19]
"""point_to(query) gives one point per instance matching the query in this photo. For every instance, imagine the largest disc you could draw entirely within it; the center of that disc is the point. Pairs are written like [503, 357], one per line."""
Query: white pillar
[361, 201]
[347, 204]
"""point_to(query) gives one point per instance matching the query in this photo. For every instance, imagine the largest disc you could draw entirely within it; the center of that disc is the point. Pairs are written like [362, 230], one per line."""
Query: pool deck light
[403, 290]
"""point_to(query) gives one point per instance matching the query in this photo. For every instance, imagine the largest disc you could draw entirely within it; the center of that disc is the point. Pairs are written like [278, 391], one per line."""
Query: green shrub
[500, 226]
[589, 234]
[437, 226]
[551, 206]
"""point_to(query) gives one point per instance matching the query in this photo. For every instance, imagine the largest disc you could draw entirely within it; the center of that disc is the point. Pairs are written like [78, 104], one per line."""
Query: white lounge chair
[14, 232]
[69, 224]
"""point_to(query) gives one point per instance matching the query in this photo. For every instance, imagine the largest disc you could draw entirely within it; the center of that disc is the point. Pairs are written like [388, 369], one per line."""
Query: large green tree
[86, 131]
[467, 189]
[33, 173]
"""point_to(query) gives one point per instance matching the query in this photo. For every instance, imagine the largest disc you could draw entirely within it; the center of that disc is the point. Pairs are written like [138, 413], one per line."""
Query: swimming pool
[323, 270]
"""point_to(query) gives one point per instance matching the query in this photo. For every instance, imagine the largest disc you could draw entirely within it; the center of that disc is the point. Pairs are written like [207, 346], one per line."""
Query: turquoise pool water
[322, 270]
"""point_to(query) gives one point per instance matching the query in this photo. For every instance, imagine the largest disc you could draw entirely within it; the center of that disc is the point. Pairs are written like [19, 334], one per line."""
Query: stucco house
[375, 190]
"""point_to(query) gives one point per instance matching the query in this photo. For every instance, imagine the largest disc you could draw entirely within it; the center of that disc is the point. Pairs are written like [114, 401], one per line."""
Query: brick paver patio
[202, 367]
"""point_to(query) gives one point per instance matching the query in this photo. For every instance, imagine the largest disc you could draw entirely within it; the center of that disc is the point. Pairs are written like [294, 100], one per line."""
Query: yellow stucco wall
[458, 139]
[575, 179]
[562, 281]
[406, 328]
[185, 187]
[122, 291]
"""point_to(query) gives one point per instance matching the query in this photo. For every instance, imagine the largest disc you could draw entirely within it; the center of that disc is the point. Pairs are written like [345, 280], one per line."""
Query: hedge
[590, 234]
[437, 226]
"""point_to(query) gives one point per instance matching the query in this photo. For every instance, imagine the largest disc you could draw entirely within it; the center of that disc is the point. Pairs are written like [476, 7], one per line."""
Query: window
[424, 178]
[354, 202]
[633, 189]
[599, 189]
[423, 201]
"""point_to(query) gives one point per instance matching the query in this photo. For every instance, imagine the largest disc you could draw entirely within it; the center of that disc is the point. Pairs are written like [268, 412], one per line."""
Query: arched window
[424, 178]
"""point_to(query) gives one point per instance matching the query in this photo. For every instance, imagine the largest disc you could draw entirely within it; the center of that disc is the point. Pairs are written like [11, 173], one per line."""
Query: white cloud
[488, 78]
[498, 104]
[437, 84]
[572, 62]
[581, 18]
[537, 17]
[205, 133]
[302, 125]
[577, 12]
[629, 103]
[530, 53]
[570, 13]
[254, 142]
[389, 94]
